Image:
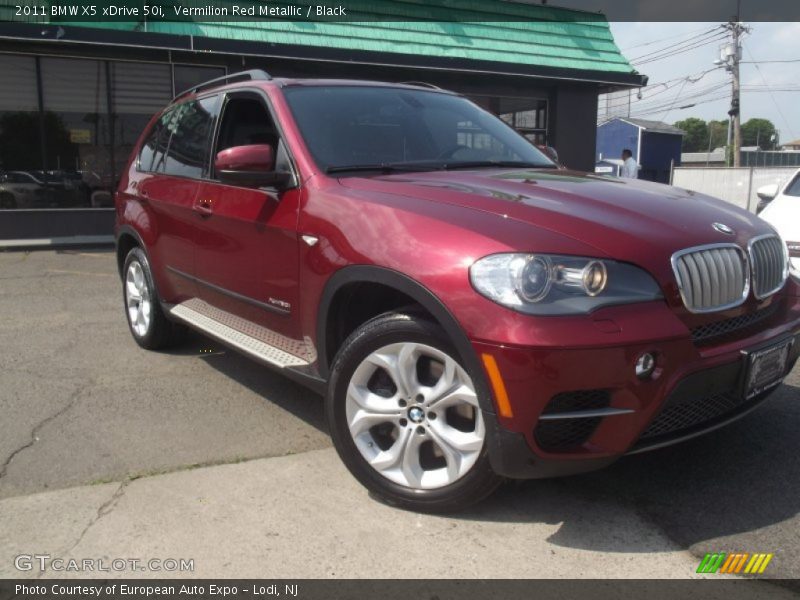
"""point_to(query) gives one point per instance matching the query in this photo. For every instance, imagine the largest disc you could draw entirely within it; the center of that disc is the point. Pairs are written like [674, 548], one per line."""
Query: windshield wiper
[437, 166]
[382, 168]
[494, 163]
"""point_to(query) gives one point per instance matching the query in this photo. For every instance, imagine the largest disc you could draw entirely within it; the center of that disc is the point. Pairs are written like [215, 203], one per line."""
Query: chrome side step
[196, 314]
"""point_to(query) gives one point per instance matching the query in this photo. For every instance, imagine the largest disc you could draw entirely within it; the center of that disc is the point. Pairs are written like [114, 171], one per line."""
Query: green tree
[718, 130]
[758, 132]
[696, 137]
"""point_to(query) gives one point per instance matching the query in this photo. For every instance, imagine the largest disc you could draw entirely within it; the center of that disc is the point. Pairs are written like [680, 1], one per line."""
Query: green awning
[498, 31]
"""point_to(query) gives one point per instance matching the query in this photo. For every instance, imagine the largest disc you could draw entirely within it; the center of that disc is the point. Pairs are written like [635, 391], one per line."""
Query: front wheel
[405, 417]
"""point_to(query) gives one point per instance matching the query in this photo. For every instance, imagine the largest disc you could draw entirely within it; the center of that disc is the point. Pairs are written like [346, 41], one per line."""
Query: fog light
[645, 365]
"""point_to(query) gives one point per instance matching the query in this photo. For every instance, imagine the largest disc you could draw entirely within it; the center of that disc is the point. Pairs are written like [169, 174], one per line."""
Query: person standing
[630, 168]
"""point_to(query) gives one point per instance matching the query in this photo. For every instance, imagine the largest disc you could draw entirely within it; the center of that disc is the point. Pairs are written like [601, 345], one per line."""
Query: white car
[19, 189]
[783, 213]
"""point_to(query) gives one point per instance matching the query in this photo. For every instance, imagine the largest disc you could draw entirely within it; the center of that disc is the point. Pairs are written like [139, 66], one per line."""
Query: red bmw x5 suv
[470, 311]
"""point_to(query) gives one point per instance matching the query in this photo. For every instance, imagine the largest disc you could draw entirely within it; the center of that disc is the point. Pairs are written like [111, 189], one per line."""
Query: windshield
[385, 128]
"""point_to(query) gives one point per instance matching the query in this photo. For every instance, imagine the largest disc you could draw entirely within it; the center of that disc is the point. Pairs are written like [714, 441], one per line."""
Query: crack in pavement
[71, 401]
[104, 509]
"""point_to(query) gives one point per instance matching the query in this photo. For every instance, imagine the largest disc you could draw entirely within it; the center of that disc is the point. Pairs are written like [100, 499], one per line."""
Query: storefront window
[526, 115]
[20, 139]
[187, 76]
[71, 154]
[138, 91]
[77, 136]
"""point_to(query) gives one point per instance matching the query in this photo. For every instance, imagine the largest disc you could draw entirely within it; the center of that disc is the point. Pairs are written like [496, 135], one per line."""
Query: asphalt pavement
[108, 449]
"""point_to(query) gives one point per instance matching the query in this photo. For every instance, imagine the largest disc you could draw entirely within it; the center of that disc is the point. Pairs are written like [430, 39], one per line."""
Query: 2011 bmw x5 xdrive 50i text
[469, 310]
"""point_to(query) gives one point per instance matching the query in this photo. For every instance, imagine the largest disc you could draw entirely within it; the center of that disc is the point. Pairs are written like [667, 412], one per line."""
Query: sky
[766, 41]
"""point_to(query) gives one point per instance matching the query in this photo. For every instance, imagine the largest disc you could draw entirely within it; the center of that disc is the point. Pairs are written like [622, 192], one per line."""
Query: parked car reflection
[40, 189]
[19, 189]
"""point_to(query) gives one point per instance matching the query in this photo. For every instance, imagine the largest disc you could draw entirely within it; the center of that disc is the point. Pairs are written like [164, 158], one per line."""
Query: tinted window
[793, 189]
[191, 127]
[152, 153]
[351, 125]
[246, 121]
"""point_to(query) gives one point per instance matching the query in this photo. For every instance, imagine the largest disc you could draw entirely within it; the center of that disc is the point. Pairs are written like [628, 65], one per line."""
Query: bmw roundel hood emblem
[722, 228]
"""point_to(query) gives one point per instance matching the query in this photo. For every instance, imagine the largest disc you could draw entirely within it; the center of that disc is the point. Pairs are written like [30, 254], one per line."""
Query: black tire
[384, 330]
[7, 201]
[160, 332]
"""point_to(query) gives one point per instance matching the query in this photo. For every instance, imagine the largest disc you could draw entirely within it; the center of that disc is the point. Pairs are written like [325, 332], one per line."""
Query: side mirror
[251, 166]
[767, 192]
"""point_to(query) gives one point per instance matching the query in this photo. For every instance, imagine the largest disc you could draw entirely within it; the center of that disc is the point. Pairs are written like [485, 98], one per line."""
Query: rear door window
[191, 127]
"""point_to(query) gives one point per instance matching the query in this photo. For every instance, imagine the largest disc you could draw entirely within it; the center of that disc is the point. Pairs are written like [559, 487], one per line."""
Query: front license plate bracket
[766, 368]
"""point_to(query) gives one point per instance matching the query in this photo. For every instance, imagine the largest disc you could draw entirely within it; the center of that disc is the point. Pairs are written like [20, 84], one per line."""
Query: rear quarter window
[179, 142]
[191, 126]
[151, 156]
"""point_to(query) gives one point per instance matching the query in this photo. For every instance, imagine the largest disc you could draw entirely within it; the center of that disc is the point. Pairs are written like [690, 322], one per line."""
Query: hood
[630, 220]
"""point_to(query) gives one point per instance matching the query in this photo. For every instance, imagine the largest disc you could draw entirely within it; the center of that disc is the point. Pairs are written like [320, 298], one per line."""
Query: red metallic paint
[248, 245]
[431, 227]
[254, 157]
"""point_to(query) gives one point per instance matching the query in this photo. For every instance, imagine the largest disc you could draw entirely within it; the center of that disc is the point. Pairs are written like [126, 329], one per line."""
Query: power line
[664, 103]
[757, 89]
[688, 40]
[680, 101]
[671, 51]
[677, 51]
[764, 62]
[771, 95]
[725, 96]
[656, 89]
[669, 37]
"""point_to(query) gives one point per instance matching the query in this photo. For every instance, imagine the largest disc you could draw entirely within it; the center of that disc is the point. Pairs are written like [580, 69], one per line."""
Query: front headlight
[549, 284]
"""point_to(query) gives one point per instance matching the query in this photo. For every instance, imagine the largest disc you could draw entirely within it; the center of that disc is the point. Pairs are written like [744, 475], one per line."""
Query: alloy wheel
[413, 414]
[138, 299]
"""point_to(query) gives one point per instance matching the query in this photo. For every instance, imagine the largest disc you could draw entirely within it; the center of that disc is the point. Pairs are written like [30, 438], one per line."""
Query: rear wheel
[146, 320]
[405, 417]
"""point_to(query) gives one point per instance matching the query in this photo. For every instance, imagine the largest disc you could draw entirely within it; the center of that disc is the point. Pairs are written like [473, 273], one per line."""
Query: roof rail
[252, 75]
[421, 84]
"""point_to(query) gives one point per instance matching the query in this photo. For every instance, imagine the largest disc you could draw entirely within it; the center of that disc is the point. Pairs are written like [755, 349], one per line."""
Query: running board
[235, 338]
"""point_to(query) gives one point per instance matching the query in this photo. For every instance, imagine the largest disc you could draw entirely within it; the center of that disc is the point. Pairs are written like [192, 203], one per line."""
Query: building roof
[793, 143]
[654, 126]
[515, 34]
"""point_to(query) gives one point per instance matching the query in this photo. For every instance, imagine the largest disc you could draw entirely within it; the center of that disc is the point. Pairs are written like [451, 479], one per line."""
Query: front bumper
[694, 389]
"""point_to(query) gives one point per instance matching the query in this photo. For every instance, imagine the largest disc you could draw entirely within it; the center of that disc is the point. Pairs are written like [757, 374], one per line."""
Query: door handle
[204, 208]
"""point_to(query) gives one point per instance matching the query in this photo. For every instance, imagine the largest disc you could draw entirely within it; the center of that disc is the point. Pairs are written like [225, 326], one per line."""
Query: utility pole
[735, 112]
[731, 57]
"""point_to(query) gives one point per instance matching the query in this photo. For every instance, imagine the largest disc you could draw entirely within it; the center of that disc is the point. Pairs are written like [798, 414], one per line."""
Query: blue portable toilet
[655, 145]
